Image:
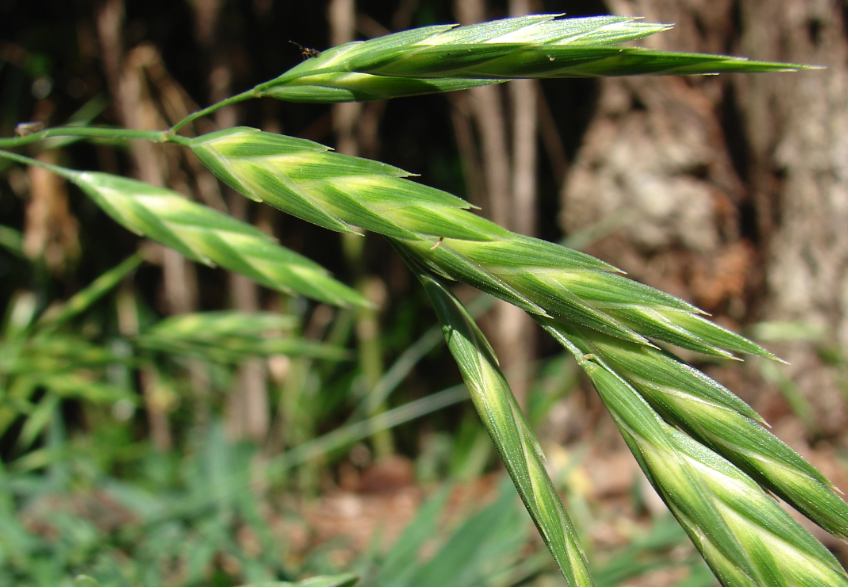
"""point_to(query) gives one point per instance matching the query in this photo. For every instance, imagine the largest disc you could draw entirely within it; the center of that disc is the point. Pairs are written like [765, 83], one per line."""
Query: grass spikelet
[742, 533]
[346, 193]
[210, 237]
[444, 58]
[508, 429]
[716, 418]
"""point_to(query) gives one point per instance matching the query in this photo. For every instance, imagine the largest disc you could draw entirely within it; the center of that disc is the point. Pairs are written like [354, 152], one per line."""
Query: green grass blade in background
[12, 240]
[344, 580]
[348, 434]
[230, 336]
[400, 563]
[203, 234]
[82, 300]
[508, 429]
[449, 57]
[485, 544]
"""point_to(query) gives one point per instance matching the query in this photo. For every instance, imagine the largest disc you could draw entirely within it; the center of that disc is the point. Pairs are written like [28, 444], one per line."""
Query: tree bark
[733, 190]
[797, 132]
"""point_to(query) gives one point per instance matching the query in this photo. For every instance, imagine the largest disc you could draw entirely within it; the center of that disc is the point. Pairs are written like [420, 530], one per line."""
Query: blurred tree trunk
[734, 189]
[797, 134]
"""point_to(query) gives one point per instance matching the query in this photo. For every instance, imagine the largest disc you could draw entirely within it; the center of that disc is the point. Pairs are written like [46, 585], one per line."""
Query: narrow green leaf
[485, 544]
[401, 561]
[36, 422]
[345, 580]
[76, 385]
[85, 581]
[55, 353]
[82, 300]
[12, 240]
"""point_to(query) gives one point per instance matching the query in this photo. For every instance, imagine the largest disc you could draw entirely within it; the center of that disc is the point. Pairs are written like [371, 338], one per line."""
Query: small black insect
[306, 52]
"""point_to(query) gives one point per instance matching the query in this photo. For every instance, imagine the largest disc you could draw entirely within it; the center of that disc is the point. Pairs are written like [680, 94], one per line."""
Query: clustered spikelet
[718, 419]
[229, 336]
[743, 534]
[347, 193]
[444, 58]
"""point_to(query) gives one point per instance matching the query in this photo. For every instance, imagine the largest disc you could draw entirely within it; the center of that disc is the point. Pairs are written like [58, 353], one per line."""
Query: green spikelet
[445, 58]
[742, 533]
[439, 231]
[716, 418]
[508, 429]
[207, 236]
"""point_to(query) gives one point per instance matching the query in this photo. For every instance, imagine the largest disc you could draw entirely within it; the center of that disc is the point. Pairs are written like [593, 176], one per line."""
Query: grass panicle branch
[704, 450]
[438, 233]
[346, 194]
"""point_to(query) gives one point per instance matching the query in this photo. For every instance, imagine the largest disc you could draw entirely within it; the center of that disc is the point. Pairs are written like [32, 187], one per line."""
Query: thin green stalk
[249, 94]
[122, 134]
[62, 171]
[156, 136]
[81, 301]
[12, 240]
[395, 374]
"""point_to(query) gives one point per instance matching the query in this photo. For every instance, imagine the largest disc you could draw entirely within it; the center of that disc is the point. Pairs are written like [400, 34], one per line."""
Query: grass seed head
[743, 534]
[449, 57]
[213, 238]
